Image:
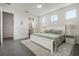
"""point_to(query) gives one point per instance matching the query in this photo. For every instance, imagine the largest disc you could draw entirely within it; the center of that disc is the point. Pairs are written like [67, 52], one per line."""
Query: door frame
[12, 22]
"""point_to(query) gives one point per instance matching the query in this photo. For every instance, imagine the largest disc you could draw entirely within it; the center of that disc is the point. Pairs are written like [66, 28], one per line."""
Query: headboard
[57, 27]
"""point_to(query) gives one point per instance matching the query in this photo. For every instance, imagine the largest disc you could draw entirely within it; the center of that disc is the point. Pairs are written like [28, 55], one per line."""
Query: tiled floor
[14, 48]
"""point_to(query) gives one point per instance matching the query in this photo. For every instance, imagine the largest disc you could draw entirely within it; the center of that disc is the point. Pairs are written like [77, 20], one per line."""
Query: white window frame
[54, 18]
[71, 14]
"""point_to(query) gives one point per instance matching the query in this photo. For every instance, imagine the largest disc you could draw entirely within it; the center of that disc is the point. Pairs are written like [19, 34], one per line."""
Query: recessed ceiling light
[26, 11]
[39, 6]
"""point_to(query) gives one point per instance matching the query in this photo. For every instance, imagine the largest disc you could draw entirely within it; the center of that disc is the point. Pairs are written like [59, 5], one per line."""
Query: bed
[48, 40]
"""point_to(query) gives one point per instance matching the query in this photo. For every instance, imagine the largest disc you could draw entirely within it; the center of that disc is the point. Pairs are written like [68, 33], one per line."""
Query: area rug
[63, 50]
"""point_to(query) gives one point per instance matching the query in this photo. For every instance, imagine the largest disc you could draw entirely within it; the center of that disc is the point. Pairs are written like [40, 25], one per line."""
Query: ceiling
[31, 8]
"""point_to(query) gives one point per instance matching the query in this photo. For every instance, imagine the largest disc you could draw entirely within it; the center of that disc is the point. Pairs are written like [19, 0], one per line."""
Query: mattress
[48, 35]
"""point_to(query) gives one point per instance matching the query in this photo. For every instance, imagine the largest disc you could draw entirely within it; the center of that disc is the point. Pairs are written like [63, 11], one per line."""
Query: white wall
[61, 15]
[20, 30]
[61, 18]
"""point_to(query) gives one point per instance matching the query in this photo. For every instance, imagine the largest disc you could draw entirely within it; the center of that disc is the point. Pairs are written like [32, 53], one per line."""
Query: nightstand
[70, 39]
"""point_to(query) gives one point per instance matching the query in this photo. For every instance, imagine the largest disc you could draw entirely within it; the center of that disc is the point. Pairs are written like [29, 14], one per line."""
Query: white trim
[1, 27]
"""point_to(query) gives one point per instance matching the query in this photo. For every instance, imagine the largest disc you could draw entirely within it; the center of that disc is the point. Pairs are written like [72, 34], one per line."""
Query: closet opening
[8, 26]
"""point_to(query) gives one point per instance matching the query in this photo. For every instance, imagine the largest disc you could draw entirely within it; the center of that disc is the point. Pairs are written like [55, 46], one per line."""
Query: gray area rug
[63, 50]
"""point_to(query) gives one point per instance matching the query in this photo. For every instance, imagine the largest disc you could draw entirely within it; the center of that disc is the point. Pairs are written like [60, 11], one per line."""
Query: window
[71, 14]
[54, 18]
[44, 21]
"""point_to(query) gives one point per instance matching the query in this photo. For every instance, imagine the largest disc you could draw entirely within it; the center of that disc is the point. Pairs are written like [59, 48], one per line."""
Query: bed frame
[45, 42]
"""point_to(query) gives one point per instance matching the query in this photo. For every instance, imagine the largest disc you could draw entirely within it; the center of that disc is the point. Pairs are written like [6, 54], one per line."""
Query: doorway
[31, 25]
[8, 25]
[0, 27]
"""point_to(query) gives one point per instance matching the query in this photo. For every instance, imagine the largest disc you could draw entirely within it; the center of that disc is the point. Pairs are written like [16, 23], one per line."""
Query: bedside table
[70, 39]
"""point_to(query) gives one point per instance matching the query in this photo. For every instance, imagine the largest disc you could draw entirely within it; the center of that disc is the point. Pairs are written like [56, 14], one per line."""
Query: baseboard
[8, 37]
[22, 38]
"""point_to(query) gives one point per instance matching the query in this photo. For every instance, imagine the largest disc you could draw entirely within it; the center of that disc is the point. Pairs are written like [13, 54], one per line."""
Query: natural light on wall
[44, 21]
[54, 18]
[71, 14]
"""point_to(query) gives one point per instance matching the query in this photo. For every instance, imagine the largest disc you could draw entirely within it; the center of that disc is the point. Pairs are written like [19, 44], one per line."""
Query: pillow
[57, 31]
[48, 31]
